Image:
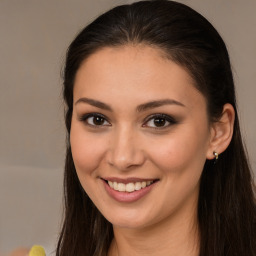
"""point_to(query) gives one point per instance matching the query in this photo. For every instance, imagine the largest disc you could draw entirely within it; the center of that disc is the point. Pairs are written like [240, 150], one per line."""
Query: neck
[177, 236]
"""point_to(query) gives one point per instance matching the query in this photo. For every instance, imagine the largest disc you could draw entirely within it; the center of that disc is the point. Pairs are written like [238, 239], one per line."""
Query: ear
[221, 132]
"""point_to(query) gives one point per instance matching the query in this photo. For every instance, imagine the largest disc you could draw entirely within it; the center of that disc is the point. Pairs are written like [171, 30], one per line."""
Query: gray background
[33, 40]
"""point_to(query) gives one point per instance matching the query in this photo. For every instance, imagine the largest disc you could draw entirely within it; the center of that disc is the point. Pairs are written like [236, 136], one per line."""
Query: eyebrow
[158, 103]
[95, 103]
[140, 108]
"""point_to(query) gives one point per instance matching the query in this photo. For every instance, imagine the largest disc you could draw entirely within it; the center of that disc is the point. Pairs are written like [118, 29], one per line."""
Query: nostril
[125, 161]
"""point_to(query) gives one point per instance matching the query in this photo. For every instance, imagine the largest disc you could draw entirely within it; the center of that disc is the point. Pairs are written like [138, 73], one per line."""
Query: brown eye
[159, 121]
[95, 119]
[98, 120]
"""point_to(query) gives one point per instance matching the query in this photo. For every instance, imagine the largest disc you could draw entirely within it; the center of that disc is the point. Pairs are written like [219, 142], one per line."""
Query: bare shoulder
[19, 252]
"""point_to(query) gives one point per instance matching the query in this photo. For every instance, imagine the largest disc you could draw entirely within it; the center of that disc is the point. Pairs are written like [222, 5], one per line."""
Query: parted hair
[226, 206]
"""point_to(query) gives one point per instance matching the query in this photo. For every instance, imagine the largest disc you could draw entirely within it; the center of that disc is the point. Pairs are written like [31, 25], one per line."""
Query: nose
[125, 150]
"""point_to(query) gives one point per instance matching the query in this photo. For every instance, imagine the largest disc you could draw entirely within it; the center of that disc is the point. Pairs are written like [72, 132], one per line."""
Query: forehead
[142, 72]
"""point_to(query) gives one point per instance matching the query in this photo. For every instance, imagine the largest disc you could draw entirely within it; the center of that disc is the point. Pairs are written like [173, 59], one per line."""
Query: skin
[128, 144]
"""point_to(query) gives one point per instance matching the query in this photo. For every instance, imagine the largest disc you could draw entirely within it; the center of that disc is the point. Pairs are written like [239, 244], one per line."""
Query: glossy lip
[128, 197]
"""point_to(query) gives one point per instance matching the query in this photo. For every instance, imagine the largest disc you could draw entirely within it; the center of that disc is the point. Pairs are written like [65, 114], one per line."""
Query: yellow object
[37, 250]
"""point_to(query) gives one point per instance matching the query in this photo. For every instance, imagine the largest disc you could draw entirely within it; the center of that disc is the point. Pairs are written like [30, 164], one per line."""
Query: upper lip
[127, 180]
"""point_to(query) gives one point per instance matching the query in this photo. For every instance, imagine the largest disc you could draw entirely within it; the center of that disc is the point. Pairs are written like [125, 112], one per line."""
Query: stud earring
[216, 156]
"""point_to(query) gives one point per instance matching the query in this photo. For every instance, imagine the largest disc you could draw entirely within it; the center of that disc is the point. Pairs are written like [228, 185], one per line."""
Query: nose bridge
[125, 151]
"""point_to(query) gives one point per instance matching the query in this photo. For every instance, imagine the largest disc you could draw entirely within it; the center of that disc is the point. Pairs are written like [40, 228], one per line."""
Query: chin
[130, 220]
[129, 224]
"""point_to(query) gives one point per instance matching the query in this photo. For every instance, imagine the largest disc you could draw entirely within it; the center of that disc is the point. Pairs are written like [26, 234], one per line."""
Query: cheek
[87, 150]
[181, 151]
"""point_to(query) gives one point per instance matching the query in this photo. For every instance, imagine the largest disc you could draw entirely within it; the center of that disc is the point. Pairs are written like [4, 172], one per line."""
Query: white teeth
[121, 187]
[137, 185]
[129, 187]
[115, 186]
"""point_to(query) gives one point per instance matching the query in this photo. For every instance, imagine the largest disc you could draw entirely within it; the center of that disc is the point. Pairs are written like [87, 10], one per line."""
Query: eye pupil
[158, 122]
[97, 120]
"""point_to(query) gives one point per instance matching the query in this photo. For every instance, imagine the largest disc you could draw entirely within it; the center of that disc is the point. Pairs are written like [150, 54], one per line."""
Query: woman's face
[139, 136]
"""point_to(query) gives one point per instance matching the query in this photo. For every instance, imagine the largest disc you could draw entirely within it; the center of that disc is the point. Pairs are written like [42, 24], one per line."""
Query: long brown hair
[226, 208]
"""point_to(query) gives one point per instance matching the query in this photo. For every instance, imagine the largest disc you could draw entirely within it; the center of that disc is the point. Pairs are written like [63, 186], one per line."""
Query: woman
[155, 162]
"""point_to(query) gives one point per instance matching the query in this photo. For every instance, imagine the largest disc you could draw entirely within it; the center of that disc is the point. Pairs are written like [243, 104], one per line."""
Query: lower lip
[128, 197]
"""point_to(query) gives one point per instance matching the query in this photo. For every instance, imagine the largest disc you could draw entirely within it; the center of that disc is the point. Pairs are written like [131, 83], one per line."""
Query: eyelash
[164, 117]
[84, 118]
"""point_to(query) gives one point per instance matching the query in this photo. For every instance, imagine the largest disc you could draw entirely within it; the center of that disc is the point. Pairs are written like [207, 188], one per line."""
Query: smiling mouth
[129, 187]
